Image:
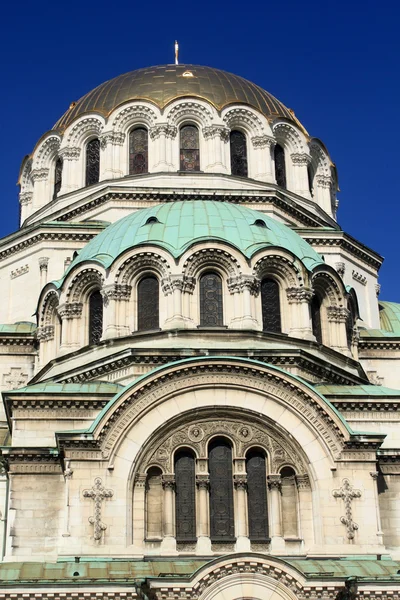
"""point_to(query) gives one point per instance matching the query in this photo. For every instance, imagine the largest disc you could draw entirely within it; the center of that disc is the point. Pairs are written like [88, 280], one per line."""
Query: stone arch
[329, 289]
[243, 375]
[328, 284]
[82, 283]
[131, 115]
[217, 258]
[291, 138]
[289, 271]
[136, 264]
[188, 111]
[244, 119]
[25, 180]
[320, 159]
[239, 576]
[47, 307]
[82, 130]
[45, 153]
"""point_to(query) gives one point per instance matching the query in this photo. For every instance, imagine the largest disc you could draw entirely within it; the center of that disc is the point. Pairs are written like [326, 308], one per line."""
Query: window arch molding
[128, 267]
[183, 112]
[228, 264]
[131, 115]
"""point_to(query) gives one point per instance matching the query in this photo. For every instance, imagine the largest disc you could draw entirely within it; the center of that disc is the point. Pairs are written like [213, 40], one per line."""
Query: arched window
[189, 148]
[222, 526]
[95, 317]
[92, 161]
[289, 503]
[316, 318]
[257, 496]
[138, 151]
[58, 168]
[211, 314]
[238, 154]
[148, 303]
[154, 498]
[270, 304]
[185, 503]
[310, 176]
[280, 166]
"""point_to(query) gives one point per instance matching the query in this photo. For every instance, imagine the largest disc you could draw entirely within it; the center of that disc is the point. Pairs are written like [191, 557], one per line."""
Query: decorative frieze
[98, 493]
[347, 493]
[20, 271]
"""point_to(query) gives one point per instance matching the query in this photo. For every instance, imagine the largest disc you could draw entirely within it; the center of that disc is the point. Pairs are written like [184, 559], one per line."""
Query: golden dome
[164, 83]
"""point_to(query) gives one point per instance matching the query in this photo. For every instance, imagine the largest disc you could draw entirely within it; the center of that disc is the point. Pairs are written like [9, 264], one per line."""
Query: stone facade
[112, 430]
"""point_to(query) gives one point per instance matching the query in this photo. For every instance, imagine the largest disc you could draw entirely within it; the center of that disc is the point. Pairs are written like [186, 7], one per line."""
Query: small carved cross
[15, 378]
[98, 493]
[347, 493]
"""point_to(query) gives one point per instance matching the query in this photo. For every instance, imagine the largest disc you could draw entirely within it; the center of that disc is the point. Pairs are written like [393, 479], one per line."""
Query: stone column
[72, 175]
[25, 201]
[139, 510]
[43, 264]
[70, 314]
[41, 194]
[169, 541]
[111, 143]
[323, 192]
[263, 163]
[174, 286]
[300, 320]
[305, 511]
[216, 136]
[242, 539]
[300, 163]
[379, 532]
[243, 288]
[203, 529]
[115, 298]
[337, 317]
[274, 485]
[164, 133]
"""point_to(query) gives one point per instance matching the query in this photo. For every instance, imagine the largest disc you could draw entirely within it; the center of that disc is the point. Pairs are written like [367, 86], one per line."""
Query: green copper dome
[178, 225]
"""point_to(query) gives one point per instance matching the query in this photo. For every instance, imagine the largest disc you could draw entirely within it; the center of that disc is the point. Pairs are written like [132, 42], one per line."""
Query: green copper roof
[178, 225]
[389, 315]
[50, 387]
[366, 391]
[20, 327]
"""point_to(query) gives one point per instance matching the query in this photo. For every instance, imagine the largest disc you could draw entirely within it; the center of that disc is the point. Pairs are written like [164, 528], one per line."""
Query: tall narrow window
[316, 318]
[289, 503]
[92, 161]
[95, 317]
[350, 322]
[211, 300]
[238, 154]
[189, 145]
[57, 177]
[222, 527]
[257, 496]
[185, 504]
[154, 503]
[138, 151]
[270, 303]
[280, 166]
[310, 176]
[148, 303]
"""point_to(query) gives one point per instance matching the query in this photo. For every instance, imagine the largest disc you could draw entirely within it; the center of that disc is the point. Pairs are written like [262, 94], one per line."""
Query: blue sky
[334, 63]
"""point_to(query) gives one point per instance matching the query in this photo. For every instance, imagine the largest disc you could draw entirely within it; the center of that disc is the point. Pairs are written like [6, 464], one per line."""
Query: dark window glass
[185, 503]
[316, 318]
[138, 151]
[95, 317]
[148, 303]
[189, 145]
[257, 496]
[211, 300]
[310, 179]
[222, 527]
[92, 161]
[271, 308]
[350, 321]
[238, 154]
[57, 177]
[280, 166]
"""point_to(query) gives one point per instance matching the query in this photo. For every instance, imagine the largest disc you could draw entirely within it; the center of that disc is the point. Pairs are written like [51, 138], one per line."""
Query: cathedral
[200, 385]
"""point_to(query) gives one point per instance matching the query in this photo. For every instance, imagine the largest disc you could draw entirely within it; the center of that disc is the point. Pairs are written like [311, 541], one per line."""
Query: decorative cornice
[46, 236]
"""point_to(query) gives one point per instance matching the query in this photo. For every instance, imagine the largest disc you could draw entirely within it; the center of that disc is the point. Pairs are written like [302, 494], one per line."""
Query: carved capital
[300, 159]
[274, 482]
[263, 141]
[323, 181]
[25, 198]
[214, 131]
[337, 314]
[70, 310]
[341, 268]
[377, 289]
[140, 480]
[203, 482]
[299, 295]
[115, 138]
[43, 263]
[168, 481]
[116, 291]
[303, 482]
[39, 174]
[241, 282]
[46, 333]
[70, 153]
[164, 129]
[240, 482]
